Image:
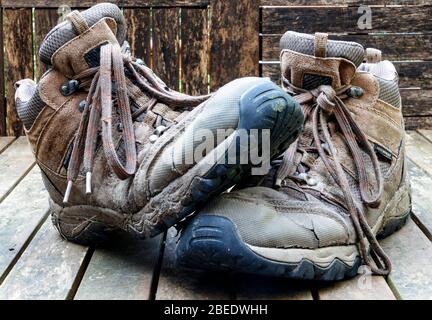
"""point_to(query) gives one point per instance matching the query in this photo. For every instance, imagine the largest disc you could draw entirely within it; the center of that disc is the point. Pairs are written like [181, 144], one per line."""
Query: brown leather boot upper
[343, 182]
[117, 147]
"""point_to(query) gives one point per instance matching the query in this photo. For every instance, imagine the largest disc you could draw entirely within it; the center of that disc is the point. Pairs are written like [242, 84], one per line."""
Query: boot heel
[392, 225]
[397, 211]
[80, 224]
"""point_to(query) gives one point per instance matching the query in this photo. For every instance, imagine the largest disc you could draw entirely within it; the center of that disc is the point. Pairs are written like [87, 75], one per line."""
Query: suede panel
[58, 128]
[382, 123]
[41, 120]
[69, 59]
[49, 89]
[295, 65]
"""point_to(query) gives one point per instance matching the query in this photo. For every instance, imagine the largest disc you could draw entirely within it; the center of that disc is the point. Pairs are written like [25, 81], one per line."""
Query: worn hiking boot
[119, 150]
[341, 185]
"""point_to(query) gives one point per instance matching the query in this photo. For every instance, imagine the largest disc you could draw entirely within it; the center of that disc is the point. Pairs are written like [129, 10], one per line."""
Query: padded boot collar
[75, 56]
[309, 71]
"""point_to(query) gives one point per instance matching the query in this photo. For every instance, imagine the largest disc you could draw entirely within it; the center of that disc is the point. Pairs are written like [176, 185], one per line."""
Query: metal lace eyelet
[153, 138]
[82, 106]
[308, 179]
[311, 181]
[159, 130]
[355, 92]
[157, 133]
[140, 62]
[69, 87]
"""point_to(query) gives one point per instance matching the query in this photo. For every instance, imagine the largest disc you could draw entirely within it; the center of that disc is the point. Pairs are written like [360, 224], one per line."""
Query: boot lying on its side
[113, 142]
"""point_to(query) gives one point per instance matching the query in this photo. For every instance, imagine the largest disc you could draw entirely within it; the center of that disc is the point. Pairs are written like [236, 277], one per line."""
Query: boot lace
[319, 104]
[98, 111]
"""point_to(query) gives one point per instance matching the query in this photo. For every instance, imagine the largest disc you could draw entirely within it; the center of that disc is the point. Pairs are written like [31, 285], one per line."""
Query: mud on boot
[342, 184]
[111, 138]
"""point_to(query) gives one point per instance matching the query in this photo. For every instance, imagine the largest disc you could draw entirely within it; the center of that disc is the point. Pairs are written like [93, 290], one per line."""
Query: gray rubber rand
[211, 242]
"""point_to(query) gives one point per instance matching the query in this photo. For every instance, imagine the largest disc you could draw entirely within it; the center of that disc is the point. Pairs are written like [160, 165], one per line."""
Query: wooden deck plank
[139, 32]
[393, 46]
[363, 287]
[194, 51]
[421, 186]
[45, 20]
[415, 104]
[343, 3]
[47, 269]
[123, 270]
[411, 253]
[175, 283]
[253, 287]
[18, 55]
[419, 150]
[426, 133]
[276, 20]
[3, 111]
[15, 162]
[22, 211]
[234, 41]
[5, 142]
[166, 45]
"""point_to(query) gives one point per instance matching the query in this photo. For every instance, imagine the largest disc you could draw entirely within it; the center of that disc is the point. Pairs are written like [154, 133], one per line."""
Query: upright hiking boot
[338, 188]
[118, 149]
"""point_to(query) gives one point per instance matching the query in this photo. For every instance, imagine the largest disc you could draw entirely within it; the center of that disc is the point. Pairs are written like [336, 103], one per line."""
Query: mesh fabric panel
[28, 111]
[304, 43]
[289, 224]
[220, 112]
[311, 81]
[65, 32]
[389, 92]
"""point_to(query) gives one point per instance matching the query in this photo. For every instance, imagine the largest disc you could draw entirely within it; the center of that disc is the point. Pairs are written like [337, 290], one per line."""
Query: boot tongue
[74, 45]
[308, 61]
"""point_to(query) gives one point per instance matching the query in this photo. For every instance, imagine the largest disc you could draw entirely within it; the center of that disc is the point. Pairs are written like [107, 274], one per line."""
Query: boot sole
[212, 242]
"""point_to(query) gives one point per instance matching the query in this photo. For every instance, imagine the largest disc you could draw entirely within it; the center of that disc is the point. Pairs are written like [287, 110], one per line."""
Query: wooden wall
[402, 29]
[195, 45]
[192, 45]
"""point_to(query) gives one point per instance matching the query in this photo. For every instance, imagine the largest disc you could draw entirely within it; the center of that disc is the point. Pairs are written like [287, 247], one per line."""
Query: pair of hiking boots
[118, 150]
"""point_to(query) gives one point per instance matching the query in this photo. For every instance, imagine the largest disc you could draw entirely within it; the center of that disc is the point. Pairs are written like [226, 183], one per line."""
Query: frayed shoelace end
[88, 183]
[68, 191]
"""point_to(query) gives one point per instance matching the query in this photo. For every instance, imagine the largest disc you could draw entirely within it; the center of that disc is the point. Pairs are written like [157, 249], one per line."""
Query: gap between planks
[23, 212]
[5, 142]
[46, 270]
[16, 161]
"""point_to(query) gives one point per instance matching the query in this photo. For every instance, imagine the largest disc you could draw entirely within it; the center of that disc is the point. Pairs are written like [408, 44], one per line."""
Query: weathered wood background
[198, 45]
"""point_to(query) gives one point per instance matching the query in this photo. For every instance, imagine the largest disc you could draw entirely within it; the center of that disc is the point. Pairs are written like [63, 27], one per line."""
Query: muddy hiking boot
[339, 187]
[118, 149]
